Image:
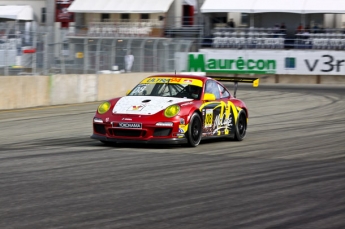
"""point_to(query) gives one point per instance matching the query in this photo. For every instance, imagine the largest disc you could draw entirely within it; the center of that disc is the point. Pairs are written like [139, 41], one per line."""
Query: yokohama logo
[130, 125]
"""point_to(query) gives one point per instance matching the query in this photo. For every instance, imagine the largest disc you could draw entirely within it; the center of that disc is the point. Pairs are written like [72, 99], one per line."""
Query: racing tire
[194, 132]
[241, 126]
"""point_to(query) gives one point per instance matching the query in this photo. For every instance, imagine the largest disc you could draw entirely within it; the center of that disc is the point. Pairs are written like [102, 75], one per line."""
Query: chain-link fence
[36, 50]
[33, 51]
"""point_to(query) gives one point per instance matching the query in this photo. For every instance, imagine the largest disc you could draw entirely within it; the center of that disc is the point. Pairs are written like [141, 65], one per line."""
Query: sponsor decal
[290, 63]
[222, 122]
[199, 62]
[130, 125]
[183, 129]
[139, 90]
[136, 108]
[208, 118]
[329, 64]
[175, 80]
[185, 104]
[158, 80]
[127, 119]
[61, 13]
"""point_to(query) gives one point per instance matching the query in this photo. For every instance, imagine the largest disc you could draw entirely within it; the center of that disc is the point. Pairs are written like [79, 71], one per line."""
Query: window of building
[105, 17]
[219, 18]
[144, 16]
[124, 17]
[244, 19]
[43, 15]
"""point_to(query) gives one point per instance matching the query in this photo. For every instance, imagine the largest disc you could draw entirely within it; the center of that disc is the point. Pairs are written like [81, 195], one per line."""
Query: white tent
[120, 6]
[16, 12]
[270, 6]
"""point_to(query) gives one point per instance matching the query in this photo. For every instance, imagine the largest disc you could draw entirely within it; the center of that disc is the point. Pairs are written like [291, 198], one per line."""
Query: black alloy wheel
[241, 126]
[194, 130]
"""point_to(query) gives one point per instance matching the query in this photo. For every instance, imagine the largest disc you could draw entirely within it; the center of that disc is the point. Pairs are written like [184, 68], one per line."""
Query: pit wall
[34, 91]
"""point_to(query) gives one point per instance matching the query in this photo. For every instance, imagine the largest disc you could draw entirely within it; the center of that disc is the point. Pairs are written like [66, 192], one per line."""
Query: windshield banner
[294, 62]
[175, 80]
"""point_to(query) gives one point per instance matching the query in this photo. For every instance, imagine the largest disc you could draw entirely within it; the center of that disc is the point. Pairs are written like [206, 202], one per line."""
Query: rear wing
[236, 80]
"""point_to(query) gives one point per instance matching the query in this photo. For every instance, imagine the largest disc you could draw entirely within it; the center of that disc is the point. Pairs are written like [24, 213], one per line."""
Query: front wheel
[194, 130]
[241, 126]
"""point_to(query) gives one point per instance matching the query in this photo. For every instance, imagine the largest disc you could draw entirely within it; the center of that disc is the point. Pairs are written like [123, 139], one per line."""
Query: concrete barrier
[66, 89]
[23, 91]
[33, 91]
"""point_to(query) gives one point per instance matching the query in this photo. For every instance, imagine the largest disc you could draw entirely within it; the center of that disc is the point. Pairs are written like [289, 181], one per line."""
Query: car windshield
[167, 90]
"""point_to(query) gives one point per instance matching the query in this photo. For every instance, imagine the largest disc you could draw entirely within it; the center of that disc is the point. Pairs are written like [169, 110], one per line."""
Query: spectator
[231, 23]
[316, 28]
[276, 30]
[300, 28]
[283, 28]
[129, 59]
[306, 33]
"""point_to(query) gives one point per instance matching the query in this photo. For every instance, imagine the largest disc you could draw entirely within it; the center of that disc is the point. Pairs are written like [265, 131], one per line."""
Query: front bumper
[140, 129]
[148, 141]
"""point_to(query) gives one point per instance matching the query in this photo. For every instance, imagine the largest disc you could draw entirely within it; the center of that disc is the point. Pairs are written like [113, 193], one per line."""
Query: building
[38, 6]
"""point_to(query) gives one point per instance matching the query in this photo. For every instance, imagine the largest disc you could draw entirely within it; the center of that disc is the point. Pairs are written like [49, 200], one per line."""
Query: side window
[223, 92]
[212, 87]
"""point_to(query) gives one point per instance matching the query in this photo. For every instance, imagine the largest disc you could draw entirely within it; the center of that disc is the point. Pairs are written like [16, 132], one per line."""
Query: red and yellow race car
[174, 109]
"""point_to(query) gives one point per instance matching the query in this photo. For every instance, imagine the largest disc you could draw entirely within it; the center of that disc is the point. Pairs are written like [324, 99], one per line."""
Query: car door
[230, 111]
[217, 118]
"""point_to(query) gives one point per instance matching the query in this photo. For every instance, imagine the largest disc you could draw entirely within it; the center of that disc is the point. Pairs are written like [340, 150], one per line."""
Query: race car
[182, 109]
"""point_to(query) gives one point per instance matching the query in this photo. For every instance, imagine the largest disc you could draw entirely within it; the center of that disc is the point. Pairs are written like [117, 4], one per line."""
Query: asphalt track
[289, 172]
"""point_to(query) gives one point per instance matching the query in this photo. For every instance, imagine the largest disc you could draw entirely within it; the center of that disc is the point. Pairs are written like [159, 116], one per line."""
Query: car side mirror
[128, 92]
[209, 97]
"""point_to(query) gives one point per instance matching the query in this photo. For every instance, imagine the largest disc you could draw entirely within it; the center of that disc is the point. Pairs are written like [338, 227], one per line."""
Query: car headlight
[172, 111]
[103, 108]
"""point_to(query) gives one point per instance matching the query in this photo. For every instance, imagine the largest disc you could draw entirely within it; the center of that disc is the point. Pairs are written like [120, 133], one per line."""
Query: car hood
[145, 105]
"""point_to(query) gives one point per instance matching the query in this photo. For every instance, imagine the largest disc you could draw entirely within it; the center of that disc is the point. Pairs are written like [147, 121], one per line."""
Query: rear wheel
[241, 126]
[194, 130]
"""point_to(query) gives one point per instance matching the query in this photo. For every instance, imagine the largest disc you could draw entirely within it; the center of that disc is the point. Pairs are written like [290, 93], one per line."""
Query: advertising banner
[62, 14]
[294, 62]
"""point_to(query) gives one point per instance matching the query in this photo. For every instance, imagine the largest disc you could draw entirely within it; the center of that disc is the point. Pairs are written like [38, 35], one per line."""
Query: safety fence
[84, 55]
[35, 51]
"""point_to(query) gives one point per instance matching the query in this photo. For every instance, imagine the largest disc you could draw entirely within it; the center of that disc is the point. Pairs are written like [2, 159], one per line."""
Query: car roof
[203, 78]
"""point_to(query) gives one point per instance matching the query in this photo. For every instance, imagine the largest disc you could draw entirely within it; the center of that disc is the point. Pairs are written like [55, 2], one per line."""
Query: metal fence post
[34, 57]
[86, 55]
[5, 58]
[45, 54]
[188, 45]
[112, 53]
[155, 55]
[62, 61]
[98, 54]
[166, 56]
[142, 49]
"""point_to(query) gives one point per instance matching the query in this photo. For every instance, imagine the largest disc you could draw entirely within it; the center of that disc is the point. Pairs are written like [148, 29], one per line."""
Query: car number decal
[208, 118]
